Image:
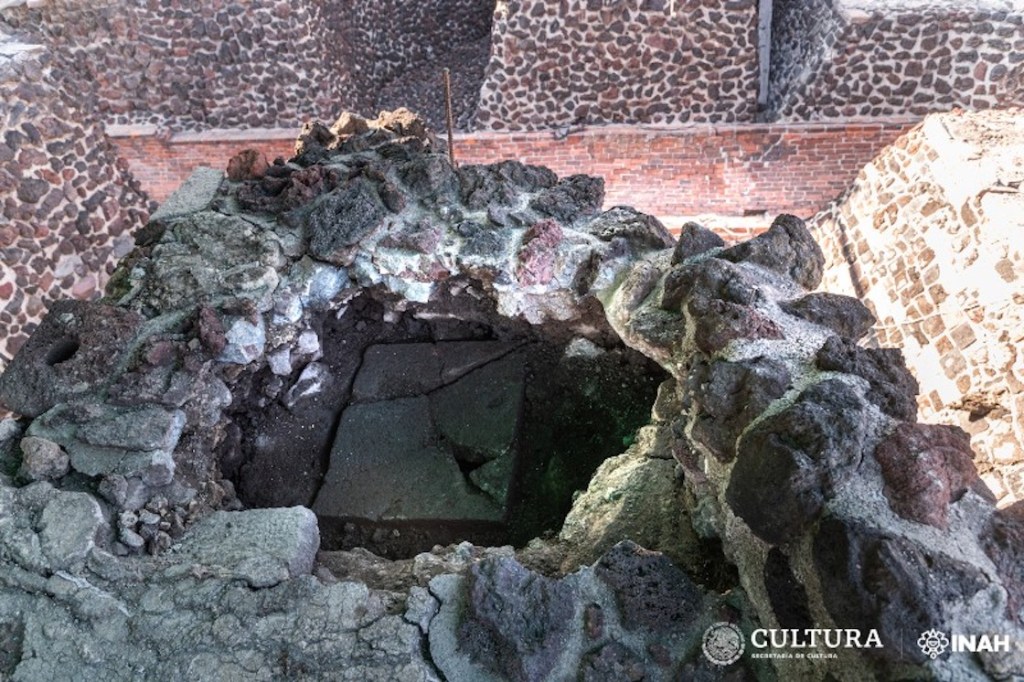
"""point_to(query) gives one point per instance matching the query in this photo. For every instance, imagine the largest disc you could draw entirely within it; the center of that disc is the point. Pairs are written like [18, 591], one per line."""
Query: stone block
[42, 459]
[478, 415]
[386, 465]
[401, 370]
[195, 195]
[69, 526]
[263, 547]
[102, 439]
[73, 351]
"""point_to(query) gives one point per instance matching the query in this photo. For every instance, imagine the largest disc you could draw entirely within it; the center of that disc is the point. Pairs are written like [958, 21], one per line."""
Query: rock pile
[258, 306]
[803, 453]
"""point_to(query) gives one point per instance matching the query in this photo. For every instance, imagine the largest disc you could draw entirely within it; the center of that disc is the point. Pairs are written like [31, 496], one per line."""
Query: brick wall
[728, 170]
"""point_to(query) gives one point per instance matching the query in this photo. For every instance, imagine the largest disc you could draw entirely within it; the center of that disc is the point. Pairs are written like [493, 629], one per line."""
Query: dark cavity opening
[438, 424]
[62, 351]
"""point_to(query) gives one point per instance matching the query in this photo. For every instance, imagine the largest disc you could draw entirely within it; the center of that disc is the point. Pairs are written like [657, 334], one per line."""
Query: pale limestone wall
[931, 237]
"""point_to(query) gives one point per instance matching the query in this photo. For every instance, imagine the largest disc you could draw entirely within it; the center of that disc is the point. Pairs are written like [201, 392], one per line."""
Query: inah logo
[933, 643]
[723, 643]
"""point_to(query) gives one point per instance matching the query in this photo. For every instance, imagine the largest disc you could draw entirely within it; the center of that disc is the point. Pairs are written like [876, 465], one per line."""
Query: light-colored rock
[69, 526]
[262, 547]
[195, 195]
[42, 460]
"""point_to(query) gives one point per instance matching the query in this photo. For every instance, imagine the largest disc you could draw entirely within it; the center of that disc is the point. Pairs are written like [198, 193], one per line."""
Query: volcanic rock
[787, 248]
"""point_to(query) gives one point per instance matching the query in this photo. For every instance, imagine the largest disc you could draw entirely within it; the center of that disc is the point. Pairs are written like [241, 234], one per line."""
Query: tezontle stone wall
[929, 237]
[527, 64]
[69, 202]
[262, 63]
[843, 58]
[620, 61]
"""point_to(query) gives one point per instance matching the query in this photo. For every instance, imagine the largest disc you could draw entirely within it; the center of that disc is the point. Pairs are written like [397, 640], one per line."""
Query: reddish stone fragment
[926, 467]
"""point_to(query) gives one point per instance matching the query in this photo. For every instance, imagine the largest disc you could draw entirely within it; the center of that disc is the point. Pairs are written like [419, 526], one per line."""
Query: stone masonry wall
[929, 238]
[843, 58]
[620, 61]
[215, 64]
[69, 202]
[394, 54]
[265, 63]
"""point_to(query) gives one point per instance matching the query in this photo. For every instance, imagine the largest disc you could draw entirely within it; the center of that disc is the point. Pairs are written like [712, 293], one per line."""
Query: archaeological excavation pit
[440, 423]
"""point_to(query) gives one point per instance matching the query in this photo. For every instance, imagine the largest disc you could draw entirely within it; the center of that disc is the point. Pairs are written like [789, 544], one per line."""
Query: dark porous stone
[74, 350]
[926, 467]
[430, 177]
[873, 580]
[573, 197]
[694, 240]
[312, 144]
[516, 621]
[612, 661]
[421, 237]
[343, 218]
[481, 240]
[727, 396]
[787, 248]
[32, 190]
[844, 315]
[481, 186]
[787, 595]
[708, 279]
[650, 591]
[893, 388]
[719, 322]
[303, 186]
[624, 222]
[1003, 541]
[789, 466]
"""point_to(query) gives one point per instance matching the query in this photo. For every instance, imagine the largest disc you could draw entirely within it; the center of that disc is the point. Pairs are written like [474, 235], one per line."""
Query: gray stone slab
[398, 370]
[386, 466]
[458, 358]
[195, 195]
[479, 413]
[402, 370]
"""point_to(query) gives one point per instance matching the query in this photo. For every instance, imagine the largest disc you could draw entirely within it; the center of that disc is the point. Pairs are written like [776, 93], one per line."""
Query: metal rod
[448, 113]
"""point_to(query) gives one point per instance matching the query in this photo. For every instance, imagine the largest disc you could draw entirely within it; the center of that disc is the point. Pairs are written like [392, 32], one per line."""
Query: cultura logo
[933, 643]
